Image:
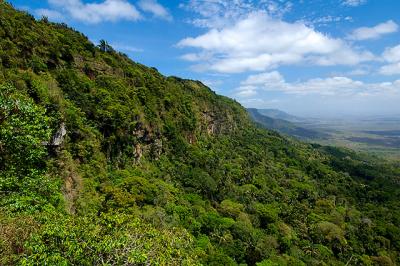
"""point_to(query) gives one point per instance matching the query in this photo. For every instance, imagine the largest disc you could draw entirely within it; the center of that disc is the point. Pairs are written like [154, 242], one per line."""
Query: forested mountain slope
[278, 114]
[284, 126]
[104, 161]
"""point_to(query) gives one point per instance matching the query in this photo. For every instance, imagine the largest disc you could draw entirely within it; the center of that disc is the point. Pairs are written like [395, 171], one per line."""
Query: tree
[24, 130]
[105, 47]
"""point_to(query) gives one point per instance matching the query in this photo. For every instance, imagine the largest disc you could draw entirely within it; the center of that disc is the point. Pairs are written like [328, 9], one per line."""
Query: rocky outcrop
[138, 152]
[156, 149]
[216, 123]
[59, 137]
[147, 143]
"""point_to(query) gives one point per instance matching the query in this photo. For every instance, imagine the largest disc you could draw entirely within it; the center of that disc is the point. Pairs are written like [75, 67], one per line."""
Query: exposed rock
[215, 124]
[156, 148]
[147, 142]
[191, 138]
[141, 133]
[78, 59]
[59, 137]
[138, 153]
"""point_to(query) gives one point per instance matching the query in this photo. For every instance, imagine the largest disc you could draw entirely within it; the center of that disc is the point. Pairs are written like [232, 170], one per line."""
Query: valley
[379, 136]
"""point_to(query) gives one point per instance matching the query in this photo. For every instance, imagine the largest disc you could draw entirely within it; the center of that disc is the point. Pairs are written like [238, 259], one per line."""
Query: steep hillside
[104, 161]
[278, 114]
[283, 126]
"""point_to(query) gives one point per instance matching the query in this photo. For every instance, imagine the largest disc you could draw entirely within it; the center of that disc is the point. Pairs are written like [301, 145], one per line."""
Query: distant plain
[376, 135]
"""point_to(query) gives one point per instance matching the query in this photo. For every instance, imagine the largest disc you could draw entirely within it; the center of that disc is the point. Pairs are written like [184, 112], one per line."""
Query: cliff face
[106, 161]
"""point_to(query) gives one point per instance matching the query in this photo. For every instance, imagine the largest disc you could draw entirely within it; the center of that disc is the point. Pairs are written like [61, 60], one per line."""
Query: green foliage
[110, 239]
[24, 126]
[24, 133]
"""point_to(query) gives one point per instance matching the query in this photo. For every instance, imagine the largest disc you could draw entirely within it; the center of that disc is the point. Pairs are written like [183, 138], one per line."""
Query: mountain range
[284, 123]
[278, 114]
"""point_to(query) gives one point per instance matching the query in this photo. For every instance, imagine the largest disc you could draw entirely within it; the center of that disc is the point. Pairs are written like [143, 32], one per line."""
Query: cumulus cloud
[392, 56]
[257, 42]
[332, 86]
[353, 3]
[108, 10]
[246, 91]
[155, 8]
[375, 32]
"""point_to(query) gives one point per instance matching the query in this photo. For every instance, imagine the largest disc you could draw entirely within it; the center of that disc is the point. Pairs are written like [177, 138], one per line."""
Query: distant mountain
[278, 114]
[282, 125]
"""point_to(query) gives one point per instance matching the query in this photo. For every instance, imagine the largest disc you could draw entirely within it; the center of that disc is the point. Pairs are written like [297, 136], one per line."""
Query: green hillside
[284, 126]
[278, 114]
[104, 161]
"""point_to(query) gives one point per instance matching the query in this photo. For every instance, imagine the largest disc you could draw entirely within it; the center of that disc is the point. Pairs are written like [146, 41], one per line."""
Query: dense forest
[104, 161]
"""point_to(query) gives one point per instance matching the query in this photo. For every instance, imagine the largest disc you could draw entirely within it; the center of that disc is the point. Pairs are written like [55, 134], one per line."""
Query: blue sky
[311, 58]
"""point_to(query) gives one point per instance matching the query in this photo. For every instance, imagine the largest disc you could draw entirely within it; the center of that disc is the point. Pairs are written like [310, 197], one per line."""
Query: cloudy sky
[307, 57]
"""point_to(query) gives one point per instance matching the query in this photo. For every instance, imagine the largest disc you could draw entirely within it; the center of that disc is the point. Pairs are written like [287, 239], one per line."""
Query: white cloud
[332, 86]
[155, 8]
[216, 13]
[258, 42]
[246, 91]
[222, 13]
[192, 57]
[392, 56]
[359, 72]
[50, 14]
[126, 48]
[326, 20]
[375, 32]
[212, 83]
[273, 77]
[391, 69]
[108, 10]
[354, 2]
[277, 8]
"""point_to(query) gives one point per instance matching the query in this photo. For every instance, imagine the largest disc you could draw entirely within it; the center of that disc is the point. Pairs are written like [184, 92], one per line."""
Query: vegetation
[284, 126]
[158, 170]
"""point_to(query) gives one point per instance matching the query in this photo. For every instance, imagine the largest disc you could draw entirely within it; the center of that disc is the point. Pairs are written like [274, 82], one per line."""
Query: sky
[315, 58]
